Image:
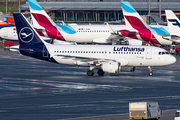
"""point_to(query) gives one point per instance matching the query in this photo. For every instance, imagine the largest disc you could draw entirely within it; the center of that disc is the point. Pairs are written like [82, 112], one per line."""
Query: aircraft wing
[114, 34]
[90, 60]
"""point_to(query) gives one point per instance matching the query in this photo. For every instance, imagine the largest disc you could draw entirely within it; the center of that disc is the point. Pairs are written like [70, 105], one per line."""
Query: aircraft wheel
[150, 74]
[100, 72]
[90, 72]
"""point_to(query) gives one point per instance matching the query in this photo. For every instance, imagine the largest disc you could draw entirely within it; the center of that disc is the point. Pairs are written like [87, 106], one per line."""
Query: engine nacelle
[111, 67]
[127, 69]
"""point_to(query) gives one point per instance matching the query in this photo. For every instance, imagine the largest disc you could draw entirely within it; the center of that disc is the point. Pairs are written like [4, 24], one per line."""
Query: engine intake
[111, 67]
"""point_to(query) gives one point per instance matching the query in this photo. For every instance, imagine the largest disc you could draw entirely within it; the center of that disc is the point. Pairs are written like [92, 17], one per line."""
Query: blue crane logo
[26, 35]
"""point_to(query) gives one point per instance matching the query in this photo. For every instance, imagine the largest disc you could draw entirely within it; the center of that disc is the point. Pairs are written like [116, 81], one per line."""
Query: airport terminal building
[99, 11]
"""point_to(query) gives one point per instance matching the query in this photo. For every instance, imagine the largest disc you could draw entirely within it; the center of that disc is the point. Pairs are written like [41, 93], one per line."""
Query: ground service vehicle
[177, 117]
[144, 110]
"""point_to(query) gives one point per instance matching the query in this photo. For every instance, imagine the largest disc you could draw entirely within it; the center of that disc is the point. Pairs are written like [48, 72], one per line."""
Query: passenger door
[149, 53]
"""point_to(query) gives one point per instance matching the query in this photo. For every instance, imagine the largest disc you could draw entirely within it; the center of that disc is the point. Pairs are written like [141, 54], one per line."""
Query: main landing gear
[150, 71]
[100, 72]
[90, 72]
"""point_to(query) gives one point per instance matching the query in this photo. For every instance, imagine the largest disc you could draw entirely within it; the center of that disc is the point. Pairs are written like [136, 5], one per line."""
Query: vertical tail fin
[41, 19]
[26, 33]
[132, 19]
[31, 44]
[173, 23]
[39, 16]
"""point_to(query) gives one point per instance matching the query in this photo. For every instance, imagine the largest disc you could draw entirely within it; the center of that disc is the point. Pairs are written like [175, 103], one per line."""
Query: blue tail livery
[31, 44]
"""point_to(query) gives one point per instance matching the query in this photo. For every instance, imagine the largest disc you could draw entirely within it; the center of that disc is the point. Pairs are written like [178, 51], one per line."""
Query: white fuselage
[125, 55]
[91, 33]
[83, 33]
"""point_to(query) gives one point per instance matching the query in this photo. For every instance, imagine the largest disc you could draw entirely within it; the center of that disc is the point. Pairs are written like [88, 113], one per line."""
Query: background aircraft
[8, 32]
[138, 29]
[174, 25]
[74, 33]
[105, 58]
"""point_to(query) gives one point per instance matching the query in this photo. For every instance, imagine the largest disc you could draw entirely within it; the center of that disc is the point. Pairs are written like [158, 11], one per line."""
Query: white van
[144, 110]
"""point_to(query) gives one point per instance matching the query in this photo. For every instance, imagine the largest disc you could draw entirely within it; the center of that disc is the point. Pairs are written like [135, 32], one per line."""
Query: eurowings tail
[39, 16]
[132, 19]
[42, 22]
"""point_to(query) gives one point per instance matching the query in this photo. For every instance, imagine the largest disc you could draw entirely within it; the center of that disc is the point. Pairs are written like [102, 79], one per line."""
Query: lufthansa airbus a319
[105, 58]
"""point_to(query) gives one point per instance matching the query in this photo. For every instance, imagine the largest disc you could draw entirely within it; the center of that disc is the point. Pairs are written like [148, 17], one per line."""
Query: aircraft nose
[172, 59]
[1, 33]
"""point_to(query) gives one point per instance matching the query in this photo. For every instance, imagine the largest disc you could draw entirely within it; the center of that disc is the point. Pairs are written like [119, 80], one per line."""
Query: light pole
[149, 7]
[6, 7]
[159, 8]
[19, 6]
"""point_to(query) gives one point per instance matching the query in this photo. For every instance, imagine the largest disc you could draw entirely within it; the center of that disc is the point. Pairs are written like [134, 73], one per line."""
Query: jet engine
[111, 67]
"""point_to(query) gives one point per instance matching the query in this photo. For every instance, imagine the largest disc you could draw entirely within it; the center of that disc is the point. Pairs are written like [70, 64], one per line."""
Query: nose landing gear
[150, 71]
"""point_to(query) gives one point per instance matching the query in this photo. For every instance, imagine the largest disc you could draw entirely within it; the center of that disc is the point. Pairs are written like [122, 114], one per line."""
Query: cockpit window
[163, 53]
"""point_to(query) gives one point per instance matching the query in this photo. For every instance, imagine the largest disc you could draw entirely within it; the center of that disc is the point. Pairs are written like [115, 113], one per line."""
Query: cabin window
[109, 52]
[163, 53]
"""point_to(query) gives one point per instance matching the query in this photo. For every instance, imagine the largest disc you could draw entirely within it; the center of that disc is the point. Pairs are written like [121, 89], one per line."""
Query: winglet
[63, 23]
[110, 28]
